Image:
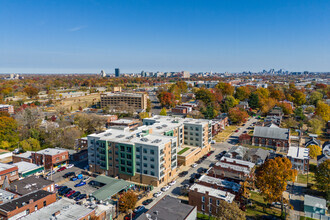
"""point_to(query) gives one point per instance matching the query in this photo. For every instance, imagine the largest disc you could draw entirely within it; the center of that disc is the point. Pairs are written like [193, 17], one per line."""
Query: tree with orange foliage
[31, 91]
[127, 201]
[237, 115]
[286, 107]
[166, 99]
[267, 104]
[272, 178]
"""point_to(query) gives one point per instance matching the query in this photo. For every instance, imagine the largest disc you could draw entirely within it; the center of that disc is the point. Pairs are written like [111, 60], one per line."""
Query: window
[210, 208]
[122, 169]
[145, 171]
[152, 166]
[152, 173]
[57, 158]
[122, 162]
[128, 156]
[122, 148]
[138, 170]
[196, 129]
[203, 199]
[137, 149]
[36, 208]
[145, 158]
[128, 149]
[210, 200]
[218, 202]
[45, 203]
[28, 211]
[129, 163]
[197, 139]
[152, 159]
[145, 151]
[122, 155]
[13, 173]
[145, 165]
[203, 207]
[137, 156]
[152, 152]
[63, 157]
[197, 134]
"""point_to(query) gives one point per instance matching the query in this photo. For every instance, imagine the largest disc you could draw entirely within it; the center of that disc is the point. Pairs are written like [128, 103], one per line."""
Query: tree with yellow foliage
[314, 151]
[272, 178]
[323, 110]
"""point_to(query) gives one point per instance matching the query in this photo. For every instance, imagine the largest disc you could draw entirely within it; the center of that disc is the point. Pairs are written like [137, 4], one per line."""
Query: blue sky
[85, 36]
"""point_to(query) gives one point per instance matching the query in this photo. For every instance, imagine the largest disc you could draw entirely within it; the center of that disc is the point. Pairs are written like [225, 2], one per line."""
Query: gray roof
[6, 196]
[271, 132]
[168, 208]
[263, 154]
[29, 184]
[315, 202]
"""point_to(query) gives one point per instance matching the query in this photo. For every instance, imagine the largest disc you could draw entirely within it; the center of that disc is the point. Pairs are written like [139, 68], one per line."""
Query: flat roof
[4, 166]
[24, 166]
[63, 209]
[27, 154]
[226, 196]
[237, 161]
[29, 184]
[298, 153]
[23, 200]
[51, 151]
[220, 182]
[6, 196]
[123, 121]
[126, 94]
[168, 208]
[112, 187]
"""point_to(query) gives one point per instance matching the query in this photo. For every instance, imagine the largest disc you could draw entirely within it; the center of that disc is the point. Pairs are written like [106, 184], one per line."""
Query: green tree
[8, 130]
[254, 101]
[205, 95]
[310, 109]
[315, 97]
[30, 144]
[299, 113]
[316, 125]
[242, 93]
[210, 112]
[163, 112]
[314, 151]
[323, 110]
[225, 88]
[322, 177]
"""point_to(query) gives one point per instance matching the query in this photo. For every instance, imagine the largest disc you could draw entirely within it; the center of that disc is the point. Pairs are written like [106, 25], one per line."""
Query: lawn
[183, 150]
[302, 178]
[202, 216]
[259, 209]
[224, 135]
[251, 146]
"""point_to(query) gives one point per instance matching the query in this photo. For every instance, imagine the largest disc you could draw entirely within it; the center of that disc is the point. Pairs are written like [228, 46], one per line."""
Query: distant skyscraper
[185, 74]
[117, 72]
[103, 74]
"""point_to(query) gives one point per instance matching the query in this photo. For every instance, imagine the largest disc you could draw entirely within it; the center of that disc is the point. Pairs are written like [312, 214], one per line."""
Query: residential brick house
[22, 157]
[8, 171]
[233, 169]
[219, 125]
[299, 158]
[50, 157]
[207, 199]
[273, 137]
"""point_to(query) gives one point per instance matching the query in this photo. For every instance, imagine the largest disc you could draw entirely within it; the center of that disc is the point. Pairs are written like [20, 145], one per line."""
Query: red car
[236, 131]
[70, 193]
[61, 169]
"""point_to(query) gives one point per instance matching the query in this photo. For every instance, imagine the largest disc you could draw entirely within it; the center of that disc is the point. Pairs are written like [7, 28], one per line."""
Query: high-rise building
[103, 74]
[117, 72]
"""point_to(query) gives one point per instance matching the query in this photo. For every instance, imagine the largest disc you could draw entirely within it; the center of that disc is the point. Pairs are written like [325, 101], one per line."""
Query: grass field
[259, 208]
[202, 216]
[183, 150]
[76, 102]
[223, 136]
[302, 178]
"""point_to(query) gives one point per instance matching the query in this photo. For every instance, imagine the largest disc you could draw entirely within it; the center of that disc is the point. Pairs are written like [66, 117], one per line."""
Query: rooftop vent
[156, 141]
[144, 139]
[108, 134]
[120, 136]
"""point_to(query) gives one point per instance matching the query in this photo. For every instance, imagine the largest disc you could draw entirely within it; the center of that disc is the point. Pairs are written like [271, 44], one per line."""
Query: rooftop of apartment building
[120, 94]
[4, 166]
[220, 182]
[124, 121]
[177, 120]
[63, 209]
[237, 161]
[298, 153]
[51, 151]
[168, 208]
[228, 197]
[29, 184]
[23, 200]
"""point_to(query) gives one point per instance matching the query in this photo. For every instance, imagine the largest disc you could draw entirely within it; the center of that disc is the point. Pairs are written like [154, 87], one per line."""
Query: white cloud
[78, 28]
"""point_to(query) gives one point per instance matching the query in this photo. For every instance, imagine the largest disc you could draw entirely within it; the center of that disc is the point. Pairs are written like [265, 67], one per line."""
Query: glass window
[137, 156]
[122, 162]
[210, 200]
[152, 173]
[145, 151]
[137, 149]
[122, 148]
[152, 166]
[145, 165]
[129, 149]
[138, 170]
[145, 158]
[122, 169]
[122, 155]
[203, 207]
[128, 156]
[145, 171]
[203, 199]
[45, 203]
[152, 152]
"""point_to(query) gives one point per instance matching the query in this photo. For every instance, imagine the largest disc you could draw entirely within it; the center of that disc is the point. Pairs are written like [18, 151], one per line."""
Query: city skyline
[196, 36]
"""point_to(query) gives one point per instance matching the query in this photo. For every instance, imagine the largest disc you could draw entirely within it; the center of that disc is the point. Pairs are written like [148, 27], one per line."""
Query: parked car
[172, 183]
[82, 183]
[69, 193]
[74, 195]
[74, 178]
[65, 191]
[86, 178]
[50, 173]
[147, 202]
[236, 130]
[61, 169]
[130, 216]
[68, 174]
[165, 188]
[139, 209]
[69, 166]
[81, 196]
[192, 180]
[183, 173]
[194, 165]
[62, 188]
[157, 194]
[80, 176]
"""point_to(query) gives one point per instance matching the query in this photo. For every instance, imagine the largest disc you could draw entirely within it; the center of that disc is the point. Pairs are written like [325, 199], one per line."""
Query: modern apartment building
[148, 154]
[137, 101]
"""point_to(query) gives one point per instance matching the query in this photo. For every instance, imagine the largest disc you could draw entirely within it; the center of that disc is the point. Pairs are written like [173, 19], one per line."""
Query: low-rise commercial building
[23, 157]
[24, 205]
[31, 184]
[50, 158]
[131, 124]
[170, 208]
[9, 172]
[222, 184]
[27, 169]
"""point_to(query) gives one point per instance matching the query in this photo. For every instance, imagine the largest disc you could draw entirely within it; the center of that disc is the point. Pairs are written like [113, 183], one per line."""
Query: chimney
[30, 201]
[206, 193]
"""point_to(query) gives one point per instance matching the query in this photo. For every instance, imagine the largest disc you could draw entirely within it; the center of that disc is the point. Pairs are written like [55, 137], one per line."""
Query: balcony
[173, 158]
